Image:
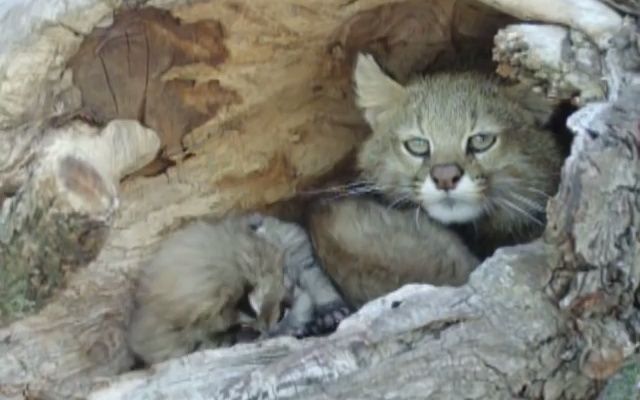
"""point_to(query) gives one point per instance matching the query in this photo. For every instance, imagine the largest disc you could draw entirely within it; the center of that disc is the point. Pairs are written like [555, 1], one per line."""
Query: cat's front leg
[329, 308]
[307, 318]
[297, 317]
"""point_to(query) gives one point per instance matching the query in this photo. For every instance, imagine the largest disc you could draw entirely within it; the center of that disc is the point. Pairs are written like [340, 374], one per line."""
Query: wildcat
[471, 156]
[212, 280]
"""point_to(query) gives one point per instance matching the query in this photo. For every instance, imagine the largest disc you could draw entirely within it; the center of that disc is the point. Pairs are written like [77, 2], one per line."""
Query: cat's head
[270, 295]
[288, 236]
[460, 145]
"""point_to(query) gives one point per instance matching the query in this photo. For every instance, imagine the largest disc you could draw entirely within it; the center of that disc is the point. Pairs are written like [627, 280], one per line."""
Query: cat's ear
[256, 300]
[268, 311]
[376, 92]
[540, 106]
[255, 221]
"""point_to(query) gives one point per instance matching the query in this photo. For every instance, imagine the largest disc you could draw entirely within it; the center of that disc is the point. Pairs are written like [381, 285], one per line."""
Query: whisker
[417, 217]
[353, 193]
[514, 207]
[349, 186]
[511, 187]
[537, 191]
[510, 181]
[398, 201]
[528, 202]
[488, 207]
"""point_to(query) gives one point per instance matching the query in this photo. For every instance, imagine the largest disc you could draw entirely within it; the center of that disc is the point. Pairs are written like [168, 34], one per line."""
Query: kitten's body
[189, 294]
[469, 152]
[209, 278]
[371, 250]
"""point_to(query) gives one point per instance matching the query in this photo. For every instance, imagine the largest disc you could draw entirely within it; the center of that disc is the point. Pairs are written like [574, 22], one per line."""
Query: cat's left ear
[255, 221]
[376, 92]
[268, 312]
[256, 300]
[540, 106]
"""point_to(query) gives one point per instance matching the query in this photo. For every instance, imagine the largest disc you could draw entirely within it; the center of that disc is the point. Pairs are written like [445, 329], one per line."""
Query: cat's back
[193, 262]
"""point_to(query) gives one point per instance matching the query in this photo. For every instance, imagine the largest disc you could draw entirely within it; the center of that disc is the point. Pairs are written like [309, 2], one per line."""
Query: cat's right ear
[376, 92]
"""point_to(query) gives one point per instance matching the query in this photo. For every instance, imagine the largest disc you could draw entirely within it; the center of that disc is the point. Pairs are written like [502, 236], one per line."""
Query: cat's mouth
[448, 201]
[449, 210]
[461, 204]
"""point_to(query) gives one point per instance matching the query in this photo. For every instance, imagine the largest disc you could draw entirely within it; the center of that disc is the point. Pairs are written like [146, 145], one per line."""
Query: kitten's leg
[329, 308]
[316, 307]
[297, 318]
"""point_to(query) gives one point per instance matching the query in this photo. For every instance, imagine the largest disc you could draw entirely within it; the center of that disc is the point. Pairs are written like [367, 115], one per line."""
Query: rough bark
[559, 61]
[59, 219]
[553, 318]
[592, 17]
[546, 320]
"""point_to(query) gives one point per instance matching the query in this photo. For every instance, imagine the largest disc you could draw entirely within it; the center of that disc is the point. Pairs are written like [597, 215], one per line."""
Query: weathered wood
[502, 335]
[59, 219]
[535, 320]
[626, 6]
[592, 17]
[429, 337]
[559, 61]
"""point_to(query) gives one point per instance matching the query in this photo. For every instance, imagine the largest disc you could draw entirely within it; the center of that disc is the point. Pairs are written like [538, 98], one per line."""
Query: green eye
[417, 147]
[480, 142]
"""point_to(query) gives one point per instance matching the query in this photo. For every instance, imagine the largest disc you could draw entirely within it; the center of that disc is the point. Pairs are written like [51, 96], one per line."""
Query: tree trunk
[118, 127]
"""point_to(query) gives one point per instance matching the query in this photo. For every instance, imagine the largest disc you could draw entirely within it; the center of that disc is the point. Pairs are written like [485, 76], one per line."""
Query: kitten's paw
[297, 332]
[327, 319]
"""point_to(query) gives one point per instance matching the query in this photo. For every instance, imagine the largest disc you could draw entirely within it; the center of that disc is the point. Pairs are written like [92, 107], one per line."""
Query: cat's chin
[456, 212]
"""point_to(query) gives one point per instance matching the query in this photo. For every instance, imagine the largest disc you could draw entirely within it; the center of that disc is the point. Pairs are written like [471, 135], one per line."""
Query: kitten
[470, 153]
[316, 306]
[210, 279]
[190, 293]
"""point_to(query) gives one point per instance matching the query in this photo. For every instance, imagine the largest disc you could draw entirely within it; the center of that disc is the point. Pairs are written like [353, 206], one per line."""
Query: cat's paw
[327, 319]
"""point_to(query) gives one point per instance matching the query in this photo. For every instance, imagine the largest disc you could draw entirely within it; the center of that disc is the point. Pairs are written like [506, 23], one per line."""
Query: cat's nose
[446, 176]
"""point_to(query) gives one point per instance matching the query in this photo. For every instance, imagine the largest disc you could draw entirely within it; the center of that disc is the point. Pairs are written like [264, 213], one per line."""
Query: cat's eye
[417, 147]
[480, 142]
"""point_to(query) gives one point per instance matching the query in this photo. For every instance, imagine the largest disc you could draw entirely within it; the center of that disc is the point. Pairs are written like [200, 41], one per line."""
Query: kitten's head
[290, 237]
[270, 297]
[461, 146]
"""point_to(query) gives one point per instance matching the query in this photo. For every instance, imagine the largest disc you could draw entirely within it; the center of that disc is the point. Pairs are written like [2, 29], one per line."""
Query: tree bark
[551, 319]
[59, 219]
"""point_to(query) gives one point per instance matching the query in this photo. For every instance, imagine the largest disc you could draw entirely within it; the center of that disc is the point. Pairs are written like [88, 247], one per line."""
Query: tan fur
[315, 305]
[370, 250]
[521, 169]
[188, 293]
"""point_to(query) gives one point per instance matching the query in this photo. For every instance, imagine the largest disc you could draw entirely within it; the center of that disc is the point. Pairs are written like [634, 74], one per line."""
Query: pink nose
[446, 176]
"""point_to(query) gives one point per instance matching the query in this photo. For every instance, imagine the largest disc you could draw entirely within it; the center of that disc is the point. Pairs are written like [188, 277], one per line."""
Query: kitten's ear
[267, 311]
[376, 92]
[255, 220]
[540, 106]
[256, 300]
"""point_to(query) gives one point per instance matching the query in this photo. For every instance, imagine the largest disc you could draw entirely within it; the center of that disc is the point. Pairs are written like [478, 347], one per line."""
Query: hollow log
[121, 120]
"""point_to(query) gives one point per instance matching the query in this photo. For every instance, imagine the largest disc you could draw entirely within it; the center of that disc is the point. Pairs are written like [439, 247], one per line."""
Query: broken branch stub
[559, 61]
[58, 219]
[592, 17]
